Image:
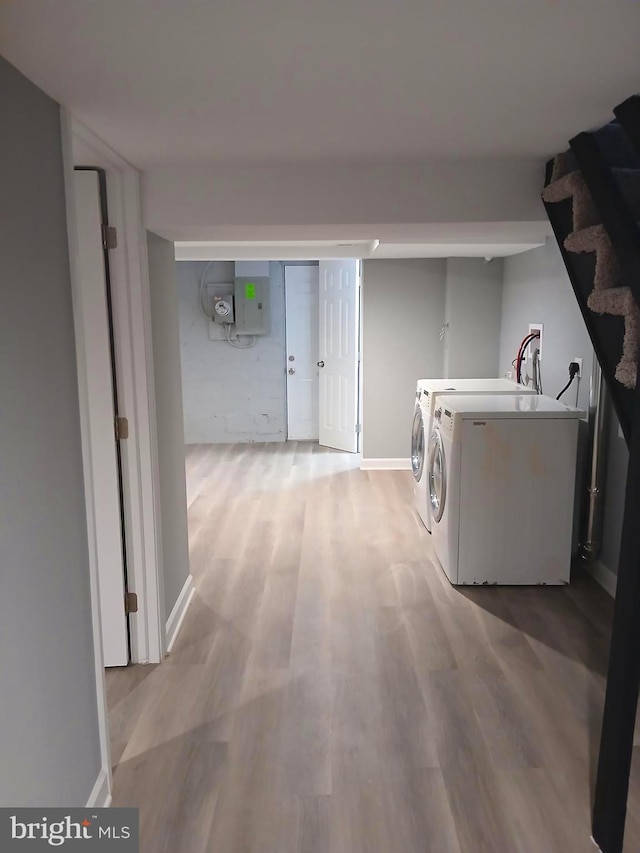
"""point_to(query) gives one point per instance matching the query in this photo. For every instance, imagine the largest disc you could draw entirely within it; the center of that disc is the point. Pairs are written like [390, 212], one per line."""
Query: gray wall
[403, 305]
[207, 200]
[230, 395]
[168, 392]
[49, 739]
[537, 289]
[472, 313]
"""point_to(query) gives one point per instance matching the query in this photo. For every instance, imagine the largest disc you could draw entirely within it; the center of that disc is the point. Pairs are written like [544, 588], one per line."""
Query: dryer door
[417, 444]
[436, 476]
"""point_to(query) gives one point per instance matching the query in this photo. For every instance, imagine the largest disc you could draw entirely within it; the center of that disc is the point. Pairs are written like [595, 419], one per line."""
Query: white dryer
[427, 393]
[501, 474]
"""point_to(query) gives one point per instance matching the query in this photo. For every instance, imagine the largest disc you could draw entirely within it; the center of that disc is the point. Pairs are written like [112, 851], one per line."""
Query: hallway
[331, 692]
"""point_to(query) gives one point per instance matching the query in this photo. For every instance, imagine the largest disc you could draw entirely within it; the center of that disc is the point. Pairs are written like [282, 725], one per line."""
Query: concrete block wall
[230, 395]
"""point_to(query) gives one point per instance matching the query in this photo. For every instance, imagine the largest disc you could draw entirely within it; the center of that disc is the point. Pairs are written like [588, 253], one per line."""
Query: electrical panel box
[251, 296]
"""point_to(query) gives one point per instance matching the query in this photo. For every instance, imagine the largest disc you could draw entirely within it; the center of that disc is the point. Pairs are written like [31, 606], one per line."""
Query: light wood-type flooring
[330, 692]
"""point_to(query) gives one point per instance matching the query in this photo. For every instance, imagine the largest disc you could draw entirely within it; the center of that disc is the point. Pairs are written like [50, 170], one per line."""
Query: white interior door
[338, 328]
[301, 295]
[101, 417]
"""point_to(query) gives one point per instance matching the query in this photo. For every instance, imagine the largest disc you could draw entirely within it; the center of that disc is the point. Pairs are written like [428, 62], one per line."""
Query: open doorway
[294, 376]
[110, 290]
[302, 298]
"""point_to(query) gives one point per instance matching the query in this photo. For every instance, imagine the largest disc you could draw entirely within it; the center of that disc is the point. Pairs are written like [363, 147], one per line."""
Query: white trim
[401, 464]
[176, 617]
[100, 797]
[360, 297]
[603, 575]
[83, 391]
[151, 577]
[134, 368]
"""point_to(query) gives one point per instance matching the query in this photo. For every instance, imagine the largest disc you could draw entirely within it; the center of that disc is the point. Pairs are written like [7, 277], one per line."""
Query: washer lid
[478, 386]
[502, 406]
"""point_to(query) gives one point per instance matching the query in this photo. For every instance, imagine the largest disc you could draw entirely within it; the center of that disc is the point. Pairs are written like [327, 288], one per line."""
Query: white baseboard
[100, 797]
[401, 464]
[176, 617]
[603, 575]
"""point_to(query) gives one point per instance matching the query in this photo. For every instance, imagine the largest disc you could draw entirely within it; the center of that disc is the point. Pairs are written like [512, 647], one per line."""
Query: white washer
[501, 472]
[427, 393]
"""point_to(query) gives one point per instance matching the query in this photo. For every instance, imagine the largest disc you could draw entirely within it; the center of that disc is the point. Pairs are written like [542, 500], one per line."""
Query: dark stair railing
[628, 114]
[606, 331]
[607, 163]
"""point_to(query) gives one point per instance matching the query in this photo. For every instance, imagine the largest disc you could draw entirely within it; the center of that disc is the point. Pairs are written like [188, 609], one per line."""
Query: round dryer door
[417, 444]
[436, 476]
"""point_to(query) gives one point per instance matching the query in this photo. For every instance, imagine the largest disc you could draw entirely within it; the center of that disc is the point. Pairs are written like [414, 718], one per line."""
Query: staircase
[592, 199]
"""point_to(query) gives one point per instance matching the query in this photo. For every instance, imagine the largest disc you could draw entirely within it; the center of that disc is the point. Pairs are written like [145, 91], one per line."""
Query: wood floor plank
[314, 831]
[466, 765]
[331, 692]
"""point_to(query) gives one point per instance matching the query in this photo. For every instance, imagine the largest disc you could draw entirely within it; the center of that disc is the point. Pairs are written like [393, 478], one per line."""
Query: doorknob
[292, 370]
[320, 364]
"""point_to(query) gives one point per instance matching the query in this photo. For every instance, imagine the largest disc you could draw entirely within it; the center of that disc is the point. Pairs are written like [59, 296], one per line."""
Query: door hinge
[122, 429]
[109, 237]
[358, 428]
[130, 602]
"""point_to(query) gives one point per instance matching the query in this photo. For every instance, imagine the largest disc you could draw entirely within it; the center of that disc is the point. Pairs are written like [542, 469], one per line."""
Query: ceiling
[167, 82]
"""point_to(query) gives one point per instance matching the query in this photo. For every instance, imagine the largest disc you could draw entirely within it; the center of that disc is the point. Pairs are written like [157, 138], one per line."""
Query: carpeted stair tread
[619, 302]
[572, 185]
[587, 239]
[563, 163]
[618, 150]
[595, 239]
[590, 235]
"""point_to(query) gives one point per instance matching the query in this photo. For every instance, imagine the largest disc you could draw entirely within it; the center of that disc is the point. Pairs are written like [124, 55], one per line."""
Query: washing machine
[501, 474]
[427, 392]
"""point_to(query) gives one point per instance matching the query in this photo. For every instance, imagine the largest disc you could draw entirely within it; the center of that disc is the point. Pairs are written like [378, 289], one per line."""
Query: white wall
[49, 738]
[168, 393]
[278, 201]
[230, 395]
[472, 312]
[403, 305]
[537, 289]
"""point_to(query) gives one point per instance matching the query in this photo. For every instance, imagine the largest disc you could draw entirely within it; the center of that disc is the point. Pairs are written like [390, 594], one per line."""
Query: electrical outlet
[578, 361]
[537, 344]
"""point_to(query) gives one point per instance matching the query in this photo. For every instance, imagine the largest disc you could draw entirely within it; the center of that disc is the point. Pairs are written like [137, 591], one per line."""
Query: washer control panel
[446, 420]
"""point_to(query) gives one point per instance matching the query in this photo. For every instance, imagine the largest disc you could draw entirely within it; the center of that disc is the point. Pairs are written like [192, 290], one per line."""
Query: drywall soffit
[316, 249]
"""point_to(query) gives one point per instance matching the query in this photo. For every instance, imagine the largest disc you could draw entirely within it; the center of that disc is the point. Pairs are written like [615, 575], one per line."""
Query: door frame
[285, 264]
[134, 369]
[106, 458]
